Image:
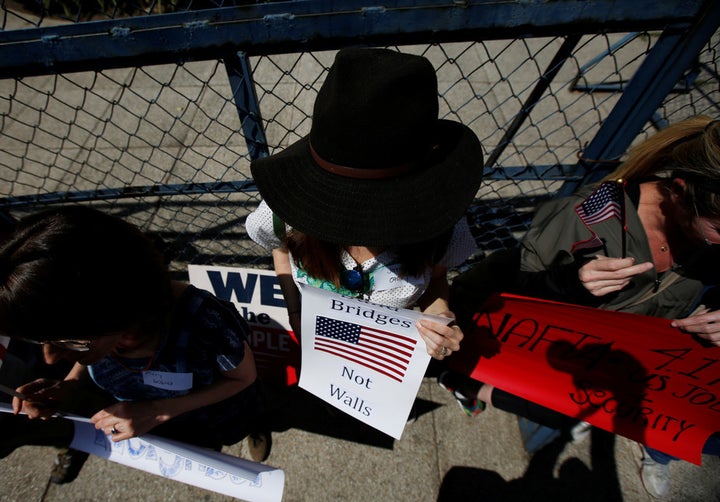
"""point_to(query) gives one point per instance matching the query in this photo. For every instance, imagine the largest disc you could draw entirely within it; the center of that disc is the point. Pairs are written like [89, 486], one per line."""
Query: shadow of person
[574, 480]
[294, 408]
[608, 382]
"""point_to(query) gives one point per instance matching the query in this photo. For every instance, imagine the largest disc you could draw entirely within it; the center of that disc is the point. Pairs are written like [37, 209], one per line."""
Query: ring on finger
[114, 430]
[443, 351]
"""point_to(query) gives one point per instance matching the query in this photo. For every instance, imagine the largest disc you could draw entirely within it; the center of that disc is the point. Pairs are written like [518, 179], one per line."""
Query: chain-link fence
[164, 146]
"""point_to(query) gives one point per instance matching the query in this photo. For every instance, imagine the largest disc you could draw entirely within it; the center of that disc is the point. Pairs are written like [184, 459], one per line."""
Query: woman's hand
[441, 340]
[43, 397]
[604, 275]
[128, 419]
[705, 324]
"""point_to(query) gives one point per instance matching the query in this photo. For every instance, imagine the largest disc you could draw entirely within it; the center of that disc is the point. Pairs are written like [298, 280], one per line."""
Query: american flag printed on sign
[604, 203]
[382, 351]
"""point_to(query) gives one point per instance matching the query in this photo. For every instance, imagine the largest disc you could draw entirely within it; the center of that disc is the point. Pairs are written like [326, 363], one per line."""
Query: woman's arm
[132, 419]
[440, 339]
[704, 324]
[554, 254]
[283, 270]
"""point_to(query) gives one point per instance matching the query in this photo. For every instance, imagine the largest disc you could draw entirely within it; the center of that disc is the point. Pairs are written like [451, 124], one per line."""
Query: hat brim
[406, 209]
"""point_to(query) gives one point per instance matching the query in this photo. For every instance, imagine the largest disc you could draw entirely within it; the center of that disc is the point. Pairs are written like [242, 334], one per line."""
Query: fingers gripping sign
[705, 324]
[441, 340]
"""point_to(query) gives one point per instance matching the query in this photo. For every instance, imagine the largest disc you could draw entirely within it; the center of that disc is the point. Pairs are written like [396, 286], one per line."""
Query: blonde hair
[689, 150]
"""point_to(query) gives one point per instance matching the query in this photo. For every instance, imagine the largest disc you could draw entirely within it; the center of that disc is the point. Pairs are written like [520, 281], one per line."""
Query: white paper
[201, 467]
[365, 359]
[168, 380]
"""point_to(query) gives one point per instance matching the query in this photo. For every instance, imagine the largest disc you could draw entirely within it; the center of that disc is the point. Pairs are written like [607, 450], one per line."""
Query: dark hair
[690, 150]
[77, 273]
[322, 259]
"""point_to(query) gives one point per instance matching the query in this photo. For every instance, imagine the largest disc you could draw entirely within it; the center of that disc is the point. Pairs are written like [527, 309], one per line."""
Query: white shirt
[387, 287]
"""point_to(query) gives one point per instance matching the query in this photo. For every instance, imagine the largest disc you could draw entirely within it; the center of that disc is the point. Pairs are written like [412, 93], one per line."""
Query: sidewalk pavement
[443, 455]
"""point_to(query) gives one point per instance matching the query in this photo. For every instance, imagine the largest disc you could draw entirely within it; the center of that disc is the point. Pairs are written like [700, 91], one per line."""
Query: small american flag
[382, 351]
[604, 203]
[607, 201]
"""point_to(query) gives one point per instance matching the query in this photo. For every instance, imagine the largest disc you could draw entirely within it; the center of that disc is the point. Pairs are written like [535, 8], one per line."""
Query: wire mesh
[162, 146]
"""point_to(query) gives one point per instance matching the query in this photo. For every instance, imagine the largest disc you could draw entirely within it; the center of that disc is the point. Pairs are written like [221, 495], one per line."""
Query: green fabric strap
[279, 228]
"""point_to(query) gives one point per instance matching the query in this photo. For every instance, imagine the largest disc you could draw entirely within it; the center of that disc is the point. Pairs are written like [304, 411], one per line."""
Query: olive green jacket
[545, 267]
[557, 227]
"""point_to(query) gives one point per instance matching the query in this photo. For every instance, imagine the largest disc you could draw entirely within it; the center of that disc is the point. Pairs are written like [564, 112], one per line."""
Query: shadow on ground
[295, 408]
[574, 480]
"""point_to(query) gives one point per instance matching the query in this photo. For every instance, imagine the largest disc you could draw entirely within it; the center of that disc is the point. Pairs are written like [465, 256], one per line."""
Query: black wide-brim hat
[378, 168]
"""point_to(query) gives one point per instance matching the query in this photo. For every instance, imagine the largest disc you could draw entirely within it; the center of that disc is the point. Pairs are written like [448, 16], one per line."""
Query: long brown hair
[689, 150]
[322, 260]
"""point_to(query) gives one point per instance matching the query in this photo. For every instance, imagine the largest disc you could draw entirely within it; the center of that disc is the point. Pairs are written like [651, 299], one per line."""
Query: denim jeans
[712, 447]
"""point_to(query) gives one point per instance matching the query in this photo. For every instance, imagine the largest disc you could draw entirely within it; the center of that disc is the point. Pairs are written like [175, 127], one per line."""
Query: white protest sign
[192, 465]
[365, 359]
[257, 296]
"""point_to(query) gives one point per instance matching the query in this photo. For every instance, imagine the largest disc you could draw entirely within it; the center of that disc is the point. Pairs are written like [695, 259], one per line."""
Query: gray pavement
[443, 455]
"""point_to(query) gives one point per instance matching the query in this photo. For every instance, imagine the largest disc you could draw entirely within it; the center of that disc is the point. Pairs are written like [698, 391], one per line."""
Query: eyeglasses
[74, 345]
[353, 280]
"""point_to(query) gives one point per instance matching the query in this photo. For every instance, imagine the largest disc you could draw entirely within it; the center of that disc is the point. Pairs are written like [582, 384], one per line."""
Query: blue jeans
[712, 447]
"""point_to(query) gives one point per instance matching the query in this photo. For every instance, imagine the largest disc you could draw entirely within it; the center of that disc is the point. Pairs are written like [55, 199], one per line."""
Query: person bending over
[150, 354]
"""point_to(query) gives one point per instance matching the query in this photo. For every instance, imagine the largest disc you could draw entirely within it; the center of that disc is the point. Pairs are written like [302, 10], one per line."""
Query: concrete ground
[443, 455]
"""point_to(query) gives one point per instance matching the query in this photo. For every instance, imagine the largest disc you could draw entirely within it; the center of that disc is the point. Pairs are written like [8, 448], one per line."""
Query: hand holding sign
[705, 324]
[441, 338]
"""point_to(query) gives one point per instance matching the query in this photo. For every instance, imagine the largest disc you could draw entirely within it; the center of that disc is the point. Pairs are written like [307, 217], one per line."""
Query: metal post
[664, 66]
[243, 91]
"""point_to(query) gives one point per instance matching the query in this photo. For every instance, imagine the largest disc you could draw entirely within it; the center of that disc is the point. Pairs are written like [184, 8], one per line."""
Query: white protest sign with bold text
[257, 296]
[189, 464]
[365, 359]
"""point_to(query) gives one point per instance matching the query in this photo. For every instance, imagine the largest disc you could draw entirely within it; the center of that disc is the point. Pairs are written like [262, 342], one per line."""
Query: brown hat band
[354, 172]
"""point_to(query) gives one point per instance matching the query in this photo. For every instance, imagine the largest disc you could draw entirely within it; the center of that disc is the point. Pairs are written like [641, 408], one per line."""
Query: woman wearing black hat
[371, 202]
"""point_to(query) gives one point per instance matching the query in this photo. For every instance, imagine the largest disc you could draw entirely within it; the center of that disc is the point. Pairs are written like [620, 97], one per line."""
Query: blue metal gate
[156, 115]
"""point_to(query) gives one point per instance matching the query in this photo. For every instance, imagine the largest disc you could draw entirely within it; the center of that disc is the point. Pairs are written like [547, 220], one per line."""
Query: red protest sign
[629, 374]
